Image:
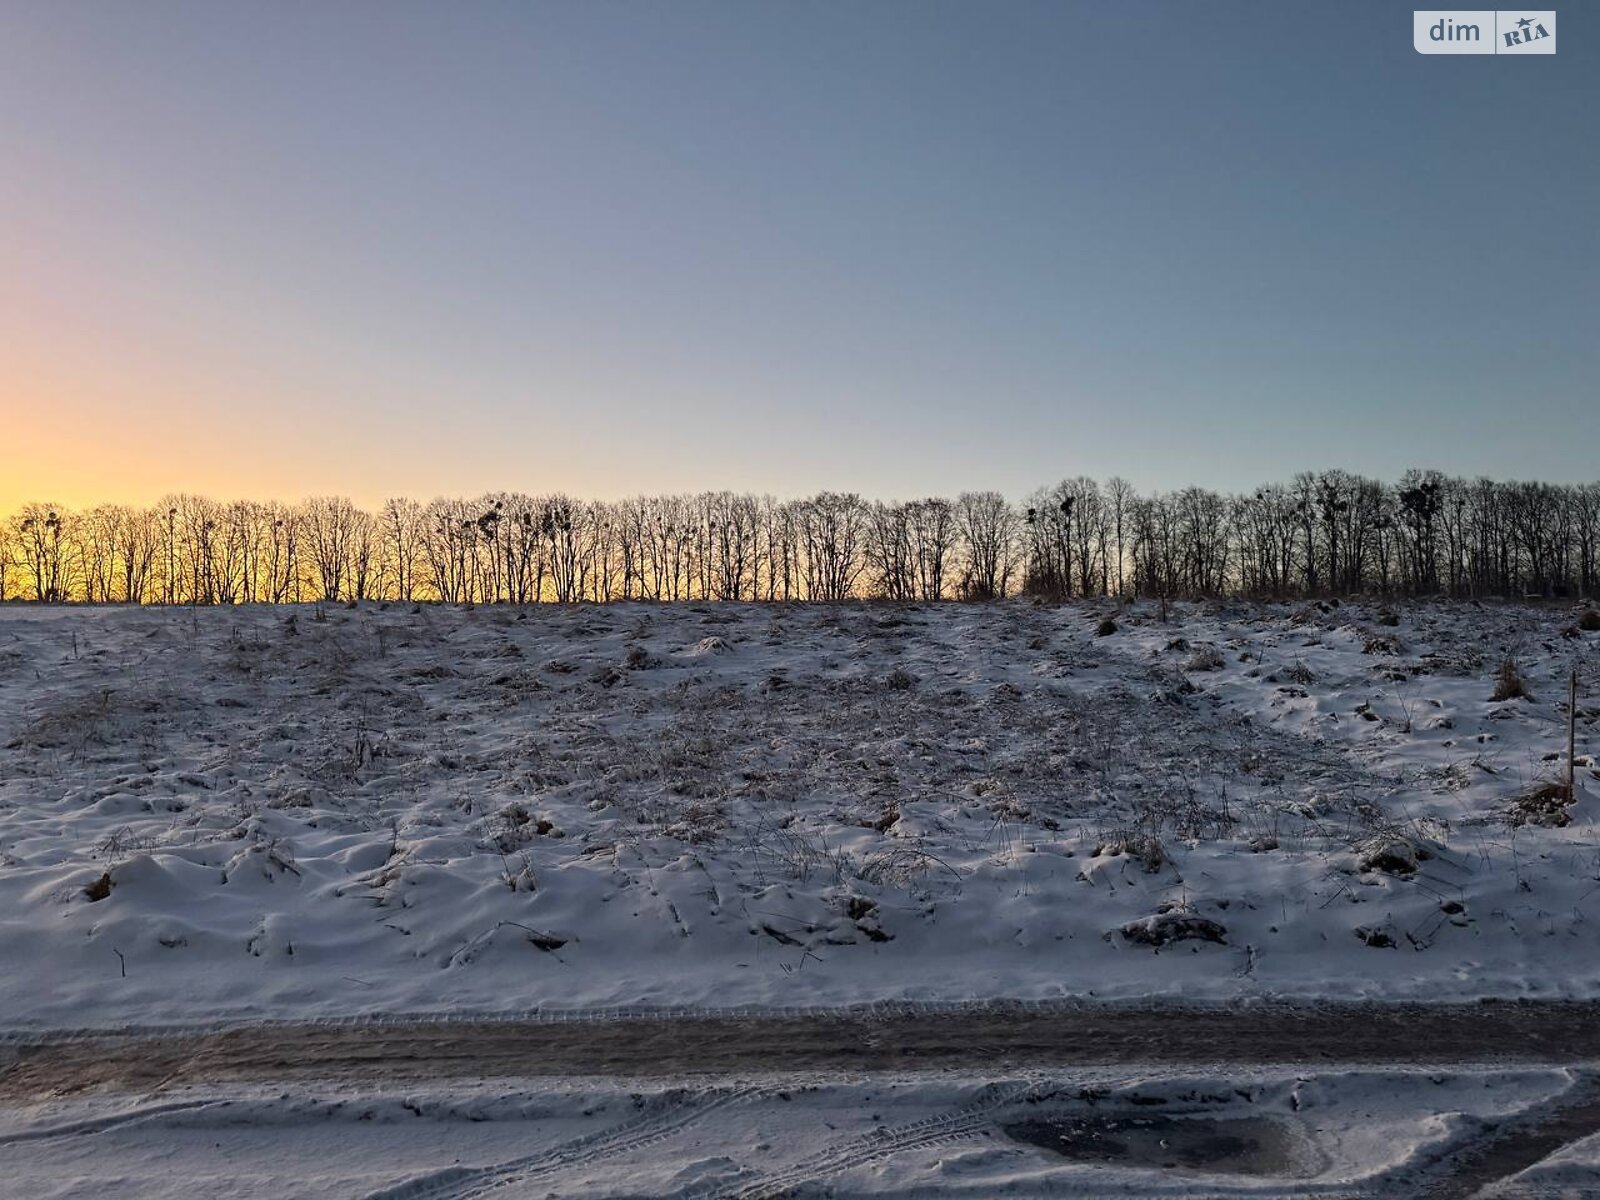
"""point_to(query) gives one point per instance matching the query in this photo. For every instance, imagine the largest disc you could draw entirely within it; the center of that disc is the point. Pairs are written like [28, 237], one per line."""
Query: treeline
[1321, 533]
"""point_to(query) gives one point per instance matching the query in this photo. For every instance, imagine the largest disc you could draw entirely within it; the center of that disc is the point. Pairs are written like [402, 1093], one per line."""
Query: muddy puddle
[1239, 1146]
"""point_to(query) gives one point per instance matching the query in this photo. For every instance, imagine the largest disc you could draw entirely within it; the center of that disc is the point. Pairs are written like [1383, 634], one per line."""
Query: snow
[1338, 1133]
[325, 812]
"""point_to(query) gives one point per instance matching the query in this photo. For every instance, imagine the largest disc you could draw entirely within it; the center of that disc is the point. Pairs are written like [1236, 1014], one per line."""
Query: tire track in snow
[652, 1128]
[878, 1145]
[1511, 1146]
[133, 1117]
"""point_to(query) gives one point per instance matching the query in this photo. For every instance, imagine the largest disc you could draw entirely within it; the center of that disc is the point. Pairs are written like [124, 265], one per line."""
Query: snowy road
[1495, 1099]
[895, 1037]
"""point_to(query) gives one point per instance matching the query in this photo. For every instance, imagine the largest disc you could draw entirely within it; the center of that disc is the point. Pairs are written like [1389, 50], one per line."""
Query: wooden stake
[1572, 732]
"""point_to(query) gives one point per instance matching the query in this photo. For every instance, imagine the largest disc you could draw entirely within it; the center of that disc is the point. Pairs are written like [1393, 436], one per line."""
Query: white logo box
[1483, 31]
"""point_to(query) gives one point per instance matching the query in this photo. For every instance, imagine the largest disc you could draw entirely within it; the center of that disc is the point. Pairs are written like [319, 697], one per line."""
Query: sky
[899, 247]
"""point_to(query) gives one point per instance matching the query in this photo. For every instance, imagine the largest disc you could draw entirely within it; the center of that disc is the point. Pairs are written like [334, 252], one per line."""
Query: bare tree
[1324, 532]
[832, 527]
[43, 539]
[986, 526]
[401, 527]
[330, 525]
[889, 555]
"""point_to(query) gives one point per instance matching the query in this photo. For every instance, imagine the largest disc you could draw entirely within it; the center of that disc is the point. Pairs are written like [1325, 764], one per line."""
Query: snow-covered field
[224, 817]
[231, 814]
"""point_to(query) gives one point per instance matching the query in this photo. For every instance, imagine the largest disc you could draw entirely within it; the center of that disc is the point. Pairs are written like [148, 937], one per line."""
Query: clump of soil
[1392, 858]
[1162, 929]
[864, 913]
[1546, 805]
[900, 680]
[1146, 848]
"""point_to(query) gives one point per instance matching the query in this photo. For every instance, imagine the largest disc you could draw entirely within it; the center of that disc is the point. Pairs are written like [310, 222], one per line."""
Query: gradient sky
[894, 246]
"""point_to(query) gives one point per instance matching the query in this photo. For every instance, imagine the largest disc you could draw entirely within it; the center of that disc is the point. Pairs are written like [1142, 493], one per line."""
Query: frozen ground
[229, 814]
[222, 818]
[1244, 1133]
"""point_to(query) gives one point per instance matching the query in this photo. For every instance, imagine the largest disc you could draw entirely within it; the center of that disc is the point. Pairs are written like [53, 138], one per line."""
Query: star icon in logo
[1525, 22]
